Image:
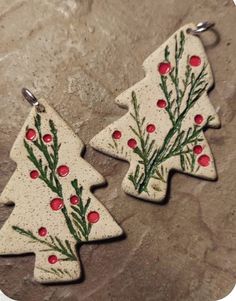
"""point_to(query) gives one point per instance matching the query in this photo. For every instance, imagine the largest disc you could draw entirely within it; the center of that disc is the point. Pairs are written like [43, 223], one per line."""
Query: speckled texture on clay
[54, 208]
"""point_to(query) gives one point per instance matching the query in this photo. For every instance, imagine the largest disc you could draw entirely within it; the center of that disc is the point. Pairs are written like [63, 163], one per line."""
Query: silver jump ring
[201, 27]
[29, 96]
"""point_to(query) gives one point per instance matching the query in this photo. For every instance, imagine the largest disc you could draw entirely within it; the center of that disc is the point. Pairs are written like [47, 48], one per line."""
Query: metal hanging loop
[29, 96]
[200, 27]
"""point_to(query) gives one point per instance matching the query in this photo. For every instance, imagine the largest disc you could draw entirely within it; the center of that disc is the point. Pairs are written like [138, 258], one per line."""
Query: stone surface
[80, 55]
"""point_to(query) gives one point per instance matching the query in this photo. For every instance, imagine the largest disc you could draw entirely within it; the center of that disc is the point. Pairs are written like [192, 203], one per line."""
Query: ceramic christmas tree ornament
[54, 208]
[168, 111]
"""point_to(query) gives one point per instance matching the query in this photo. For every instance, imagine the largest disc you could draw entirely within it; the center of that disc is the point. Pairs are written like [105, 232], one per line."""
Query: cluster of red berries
[132, 143]
[164, 68]
[57, 203]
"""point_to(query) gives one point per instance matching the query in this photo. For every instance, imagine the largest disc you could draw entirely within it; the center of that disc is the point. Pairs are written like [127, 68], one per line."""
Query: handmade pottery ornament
[168, 111]
[54, 208]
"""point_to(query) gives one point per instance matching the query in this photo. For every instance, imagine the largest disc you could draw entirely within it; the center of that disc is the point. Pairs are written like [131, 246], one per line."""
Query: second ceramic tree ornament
[54, 208]
[168, 111]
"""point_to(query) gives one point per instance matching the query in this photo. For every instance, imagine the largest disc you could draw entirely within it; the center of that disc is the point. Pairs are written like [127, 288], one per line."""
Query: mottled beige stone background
[80, 55]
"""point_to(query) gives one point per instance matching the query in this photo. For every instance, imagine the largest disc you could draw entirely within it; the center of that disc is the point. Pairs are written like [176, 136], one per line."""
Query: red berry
[132, 143]
[34, 174]
[30, 134]
[197, 149]
[42, 231]
[74, 200]
[164, 68]
[204, 160]
[198, 119]
[52, 259]
[93, 217]
[63, 170]
[195, 61]
[150, 128]
[47, 138]
[116, 135]
[161, 103]
[57, 204]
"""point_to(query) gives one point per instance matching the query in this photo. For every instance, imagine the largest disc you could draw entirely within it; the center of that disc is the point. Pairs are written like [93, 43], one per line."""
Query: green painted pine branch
[55, 146]
[198, 87]
[42, 169]
[146, 146]
[161, 174]
[139, 123]
[188, 160]
[60, 273]
[175, 149]
[55, 245]
[167, 95]
[174, 74]
[174, 105]
[170, 148]
[39, 141]
[135, 178]
[80, 211]
[50, 179]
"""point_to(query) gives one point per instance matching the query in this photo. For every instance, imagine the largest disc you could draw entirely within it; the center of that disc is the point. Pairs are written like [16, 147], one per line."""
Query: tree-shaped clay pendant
[54, 208]
[168, 111]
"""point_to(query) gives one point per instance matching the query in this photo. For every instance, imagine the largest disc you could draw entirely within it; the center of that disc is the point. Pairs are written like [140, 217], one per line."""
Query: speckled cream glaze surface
[39, 225]
[168, 111]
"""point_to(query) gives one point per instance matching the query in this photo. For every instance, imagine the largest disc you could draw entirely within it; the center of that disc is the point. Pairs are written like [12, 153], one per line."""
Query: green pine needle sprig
[55, 244]
[177, 142]
[79, 212]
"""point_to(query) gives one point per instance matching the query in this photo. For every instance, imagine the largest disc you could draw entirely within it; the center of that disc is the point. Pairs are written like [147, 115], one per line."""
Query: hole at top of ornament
[40, 108]
[211, 37]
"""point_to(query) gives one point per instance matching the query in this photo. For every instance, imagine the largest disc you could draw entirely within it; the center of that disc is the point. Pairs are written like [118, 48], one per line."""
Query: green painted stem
[194, 94]
[61, 248]
[50, 180]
